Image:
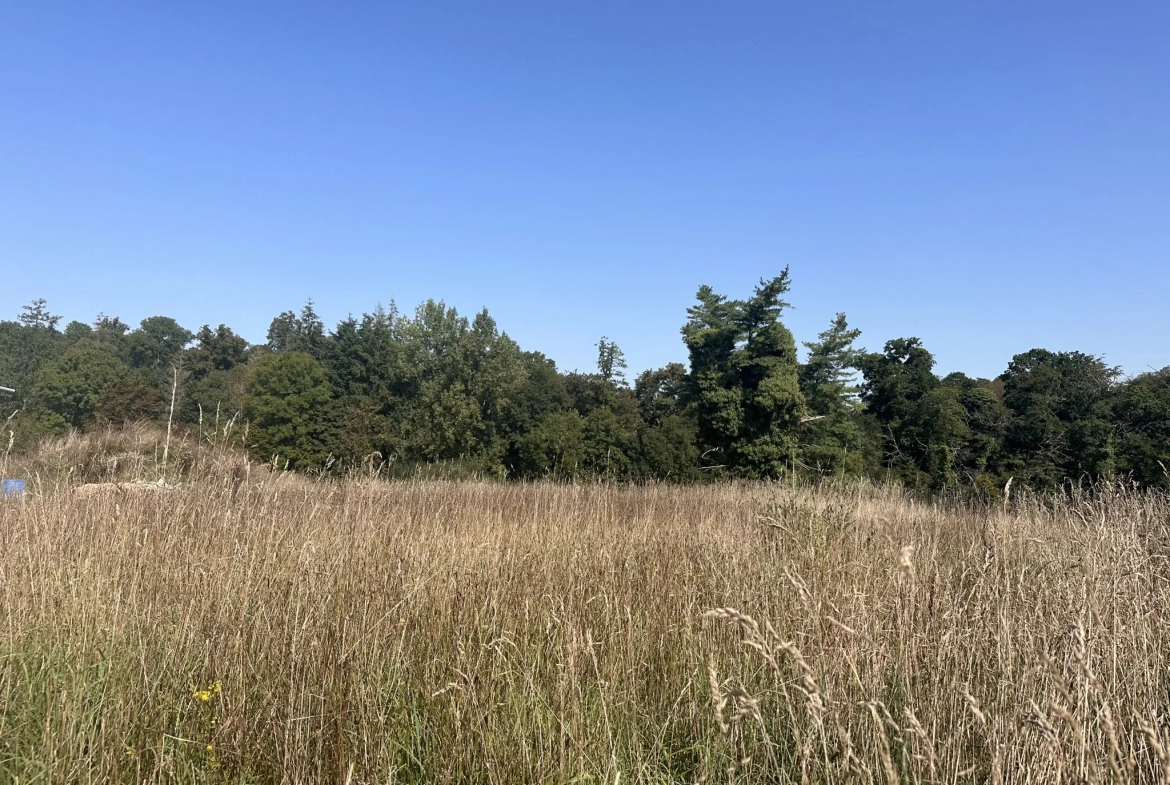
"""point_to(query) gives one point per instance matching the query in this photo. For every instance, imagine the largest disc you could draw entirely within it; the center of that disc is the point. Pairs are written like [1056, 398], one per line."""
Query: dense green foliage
[745, 380]
[436, 389]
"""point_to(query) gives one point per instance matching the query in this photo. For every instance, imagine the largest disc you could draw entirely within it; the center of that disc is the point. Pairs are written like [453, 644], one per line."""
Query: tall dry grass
[129, 452]
[272, 629]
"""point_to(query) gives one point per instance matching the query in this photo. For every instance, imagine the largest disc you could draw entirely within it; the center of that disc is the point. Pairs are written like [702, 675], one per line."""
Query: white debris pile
[134, 486]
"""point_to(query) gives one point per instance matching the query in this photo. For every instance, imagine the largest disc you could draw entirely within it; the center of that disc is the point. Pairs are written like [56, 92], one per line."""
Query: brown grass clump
[133, 453]
[272, 629]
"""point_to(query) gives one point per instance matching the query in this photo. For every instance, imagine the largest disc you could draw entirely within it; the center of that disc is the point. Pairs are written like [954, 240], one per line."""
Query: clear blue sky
[990, 177]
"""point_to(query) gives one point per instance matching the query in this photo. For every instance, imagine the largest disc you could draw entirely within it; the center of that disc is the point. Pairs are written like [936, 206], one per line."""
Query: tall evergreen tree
[833, 439]
[27, 345]
[744, 376]
[36, 314]
[222, 348]
[287, 402]
[305, 332]
[213, 388]
[611, 362]
[828, 377]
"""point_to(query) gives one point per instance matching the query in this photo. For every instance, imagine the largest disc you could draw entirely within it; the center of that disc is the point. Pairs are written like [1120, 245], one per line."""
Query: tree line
[435, 388]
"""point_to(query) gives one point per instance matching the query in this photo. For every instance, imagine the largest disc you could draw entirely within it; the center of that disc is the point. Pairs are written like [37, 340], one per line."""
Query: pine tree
[833, 440]
[304, 333]
[744, 378]
[36, 314]
[611, 362]
[828, 377]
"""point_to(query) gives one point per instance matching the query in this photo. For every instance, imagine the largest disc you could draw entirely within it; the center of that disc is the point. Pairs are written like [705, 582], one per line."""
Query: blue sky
[990, 177]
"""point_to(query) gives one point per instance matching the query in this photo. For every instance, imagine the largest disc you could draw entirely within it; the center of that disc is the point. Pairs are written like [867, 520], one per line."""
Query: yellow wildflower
[207, 694]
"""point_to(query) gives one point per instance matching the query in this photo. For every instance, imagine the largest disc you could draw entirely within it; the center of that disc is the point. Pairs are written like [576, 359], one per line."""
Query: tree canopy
[436, 388]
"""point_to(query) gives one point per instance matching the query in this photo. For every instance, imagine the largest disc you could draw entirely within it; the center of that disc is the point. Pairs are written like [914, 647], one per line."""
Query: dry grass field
[262, 627]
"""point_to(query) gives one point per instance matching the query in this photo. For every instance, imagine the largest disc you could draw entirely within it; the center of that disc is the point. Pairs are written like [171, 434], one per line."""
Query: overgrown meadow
[254, 626]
